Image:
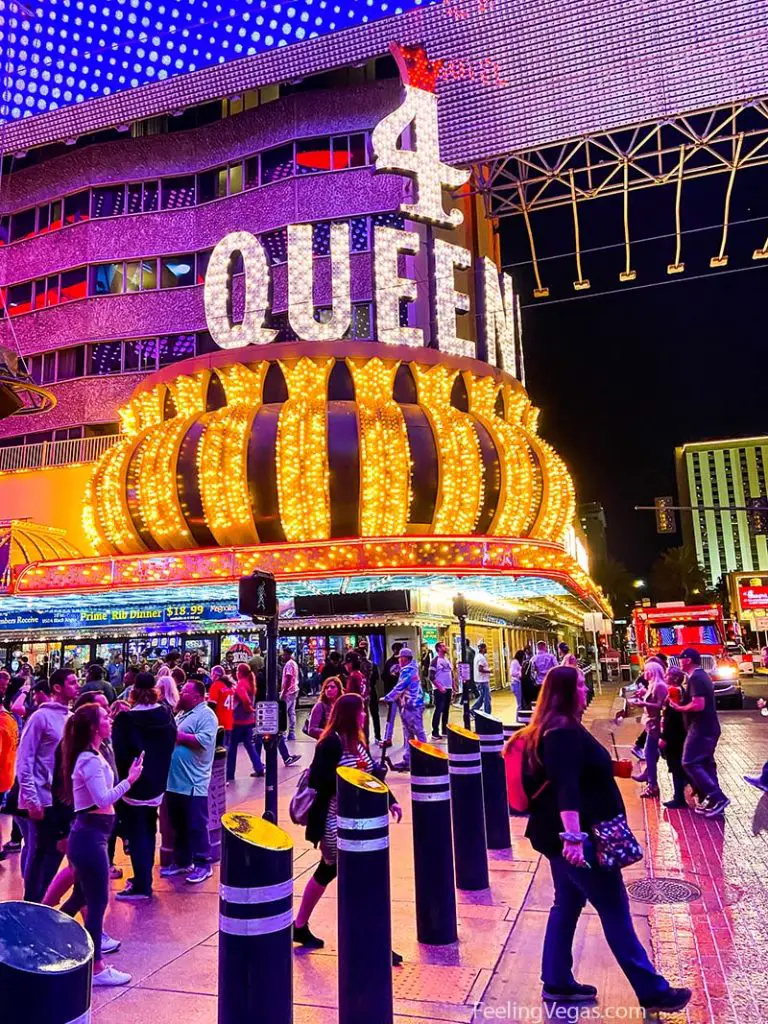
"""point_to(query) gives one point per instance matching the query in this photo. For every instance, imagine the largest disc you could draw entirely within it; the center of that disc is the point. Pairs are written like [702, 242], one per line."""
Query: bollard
[510, 730]
[467, 809]
[491, 733]
[46, 962]
[217, 800]
[432, 845]
[365, 923]
[255, 922]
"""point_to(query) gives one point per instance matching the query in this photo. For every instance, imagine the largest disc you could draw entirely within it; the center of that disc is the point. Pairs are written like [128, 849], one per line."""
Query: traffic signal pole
[270, 790]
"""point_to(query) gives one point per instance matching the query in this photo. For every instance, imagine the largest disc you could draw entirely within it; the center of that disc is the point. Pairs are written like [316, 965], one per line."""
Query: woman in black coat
[341, 744]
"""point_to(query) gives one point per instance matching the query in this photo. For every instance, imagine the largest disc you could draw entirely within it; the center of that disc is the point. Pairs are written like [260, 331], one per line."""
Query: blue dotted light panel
[54, 53]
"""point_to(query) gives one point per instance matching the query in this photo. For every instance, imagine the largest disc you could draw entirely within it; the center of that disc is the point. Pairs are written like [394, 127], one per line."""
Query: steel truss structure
[568, 173]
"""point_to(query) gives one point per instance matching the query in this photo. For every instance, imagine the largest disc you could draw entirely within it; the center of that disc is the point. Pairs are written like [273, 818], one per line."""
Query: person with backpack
[321, 712]
[577, 821]
[342, 743]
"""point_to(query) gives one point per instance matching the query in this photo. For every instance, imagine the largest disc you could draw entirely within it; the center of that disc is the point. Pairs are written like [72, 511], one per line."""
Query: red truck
[670, 628]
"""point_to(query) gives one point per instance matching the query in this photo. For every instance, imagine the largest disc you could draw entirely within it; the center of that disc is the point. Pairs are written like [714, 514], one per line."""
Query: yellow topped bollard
[365, 910]
[432, 846]
[467, 809]
[255, 922]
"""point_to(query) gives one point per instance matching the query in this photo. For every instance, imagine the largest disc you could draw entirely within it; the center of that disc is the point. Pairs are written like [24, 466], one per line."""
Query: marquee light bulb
[499, 319]
[301, 306]
[448, 300]
[422, 162]
[391, 288]
[217, 292]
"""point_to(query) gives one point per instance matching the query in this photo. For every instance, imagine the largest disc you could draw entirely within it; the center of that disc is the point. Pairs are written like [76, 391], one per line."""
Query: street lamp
[638, 584]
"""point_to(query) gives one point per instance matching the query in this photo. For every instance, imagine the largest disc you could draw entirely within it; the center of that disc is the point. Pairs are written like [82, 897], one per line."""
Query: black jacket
[154, 732]
[322, 778]
[579, 776]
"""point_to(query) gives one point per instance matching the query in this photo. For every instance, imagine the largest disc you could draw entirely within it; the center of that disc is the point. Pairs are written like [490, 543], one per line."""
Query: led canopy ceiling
[60, 52]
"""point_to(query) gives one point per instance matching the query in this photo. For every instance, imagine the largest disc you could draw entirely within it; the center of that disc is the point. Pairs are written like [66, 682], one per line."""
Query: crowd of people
[680, 724]
[94, 756]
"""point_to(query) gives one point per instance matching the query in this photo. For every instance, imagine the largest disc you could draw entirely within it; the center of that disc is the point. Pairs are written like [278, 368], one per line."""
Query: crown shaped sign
[415, 67]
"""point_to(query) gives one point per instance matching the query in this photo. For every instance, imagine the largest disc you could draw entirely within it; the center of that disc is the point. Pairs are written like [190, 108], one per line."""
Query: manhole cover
[663, 890]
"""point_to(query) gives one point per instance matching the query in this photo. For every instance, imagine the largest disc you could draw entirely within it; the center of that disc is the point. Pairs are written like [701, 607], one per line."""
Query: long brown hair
[557, 705]
[331, 681]
[78, 737]
[343, 721]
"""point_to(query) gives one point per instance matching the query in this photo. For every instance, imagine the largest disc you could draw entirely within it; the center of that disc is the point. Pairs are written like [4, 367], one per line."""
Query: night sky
[623, 378]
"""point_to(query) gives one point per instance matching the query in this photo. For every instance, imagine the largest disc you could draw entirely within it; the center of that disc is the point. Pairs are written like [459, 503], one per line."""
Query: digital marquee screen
[59, 52]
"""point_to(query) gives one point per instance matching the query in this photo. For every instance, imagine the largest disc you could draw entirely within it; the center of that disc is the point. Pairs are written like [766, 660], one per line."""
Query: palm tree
[677, 575]
[617, 582]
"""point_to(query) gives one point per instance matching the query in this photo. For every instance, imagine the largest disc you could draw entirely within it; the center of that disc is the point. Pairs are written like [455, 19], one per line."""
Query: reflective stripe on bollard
[432, 845]
[491, 733]
[46, 963]
[467, 809]
[255, 922]
[364, 909]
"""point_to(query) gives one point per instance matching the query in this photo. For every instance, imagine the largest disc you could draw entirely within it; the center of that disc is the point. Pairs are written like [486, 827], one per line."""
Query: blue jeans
[483, 702]
[605, 891]
[188, 816]
[242, 734]
[442, 707]
[699, 765]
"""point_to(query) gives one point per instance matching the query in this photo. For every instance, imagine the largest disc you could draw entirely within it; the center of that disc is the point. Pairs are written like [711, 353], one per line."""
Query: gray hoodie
[37, 749]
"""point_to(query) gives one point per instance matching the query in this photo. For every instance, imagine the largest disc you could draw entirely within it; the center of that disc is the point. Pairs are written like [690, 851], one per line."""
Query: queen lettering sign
[405, 142]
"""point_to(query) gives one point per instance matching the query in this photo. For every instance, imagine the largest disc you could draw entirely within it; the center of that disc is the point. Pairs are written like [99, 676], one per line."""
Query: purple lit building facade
[107, 244]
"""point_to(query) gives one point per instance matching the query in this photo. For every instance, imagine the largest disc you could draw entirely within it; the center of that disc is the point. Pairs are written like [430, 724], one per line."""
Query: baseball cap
[692, 653]
[405, 652]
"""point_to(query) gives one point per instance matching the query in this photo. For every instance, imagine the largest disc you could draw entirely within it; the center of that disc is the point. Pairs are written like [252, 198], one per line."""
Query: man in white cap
[408, 692]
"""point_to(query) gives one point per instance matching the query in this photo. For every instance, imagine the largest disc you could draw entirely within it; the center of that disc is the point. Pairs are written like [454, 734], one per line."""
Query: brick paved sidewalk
[717, 944]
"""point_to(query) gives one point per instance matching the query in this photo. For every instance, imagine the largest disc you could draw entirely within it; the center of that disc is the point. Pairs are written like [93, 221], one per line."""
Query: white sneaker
[111, 977]
[108, 944]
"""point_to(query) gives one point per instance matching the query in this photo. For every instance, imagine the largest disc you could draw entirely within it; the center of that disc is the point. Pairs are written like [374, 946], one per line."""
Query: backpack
[302, 800]
[514, 769]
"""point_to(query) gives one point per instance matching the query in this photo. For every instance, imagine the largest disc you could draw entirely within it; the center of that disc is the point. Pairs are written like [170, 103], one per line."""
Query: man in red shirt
[221, 698]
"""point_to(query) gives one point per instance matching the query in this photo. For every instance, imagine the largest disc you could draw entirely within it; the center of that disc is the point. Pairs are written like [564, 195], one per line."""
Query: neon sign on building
[406, 142]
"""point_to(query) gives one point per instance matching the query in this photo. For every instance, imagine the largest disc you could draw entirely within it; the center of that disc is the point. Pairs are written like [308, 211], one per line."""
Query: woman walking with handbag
[341, 744]
[577, 821]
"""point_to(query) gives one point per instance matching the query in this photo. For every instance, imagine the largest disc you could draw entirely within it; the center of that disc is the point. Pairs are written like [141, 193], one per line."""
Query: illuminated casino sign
[753, 597]
[405, 142]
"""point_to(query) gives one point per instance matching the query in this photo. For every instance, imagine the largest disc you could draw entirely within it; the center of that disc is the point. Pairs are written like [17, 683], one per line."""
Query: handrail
[55, 453]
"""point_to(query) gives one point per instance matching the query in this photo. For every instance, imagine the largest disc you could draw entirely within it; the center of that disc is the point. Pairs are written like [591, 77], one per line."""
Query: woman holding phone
[90, 785]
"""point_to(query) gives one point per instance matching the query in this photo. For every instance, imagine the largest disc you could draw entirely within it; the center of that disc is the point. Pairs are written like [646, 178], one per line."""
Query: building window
[108, 201]
[23, 224]
[178, 193]
[313, 155]
[209, 185]
[252, 179]
[48, 374]
[74, 284]
[277, 163]
[175, 347]
[107, 279]
[77, 207]
[141, 275]
[177, 271]
[143, 197]
[19, 298]
[141, 354]
[71, 363]
[106, 357]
